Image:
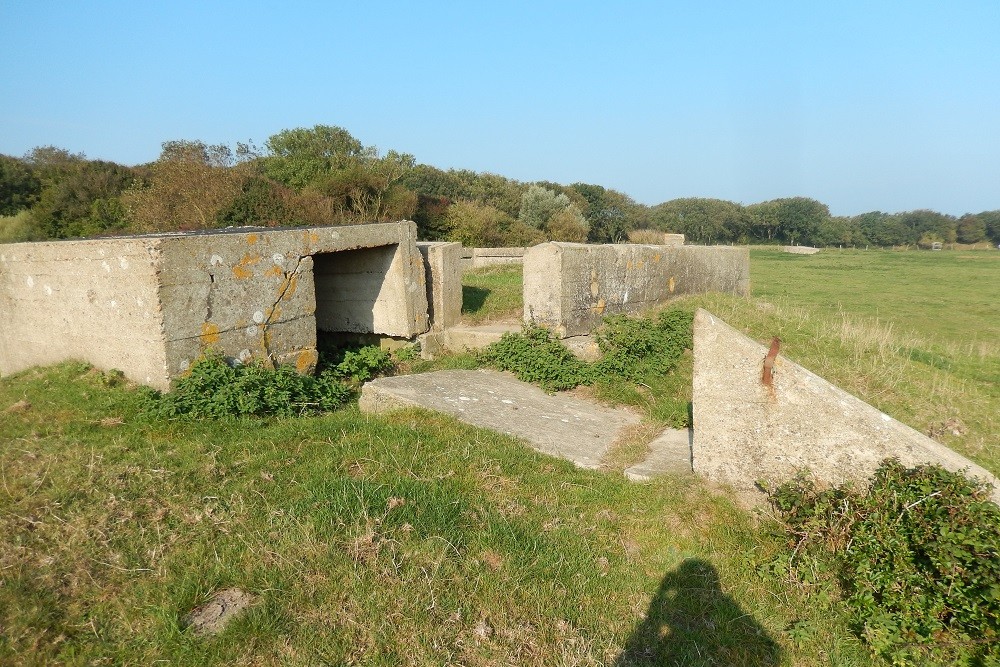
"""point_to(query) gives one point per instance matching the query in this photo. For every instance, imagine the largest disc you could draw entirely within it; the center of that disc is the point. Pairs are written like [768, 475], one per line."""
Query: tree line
[324, 176]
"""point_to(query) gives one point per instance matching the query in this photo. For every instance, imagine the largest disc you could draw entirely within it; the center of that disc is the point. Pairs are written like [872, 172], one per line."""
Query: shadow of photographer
[692, 622]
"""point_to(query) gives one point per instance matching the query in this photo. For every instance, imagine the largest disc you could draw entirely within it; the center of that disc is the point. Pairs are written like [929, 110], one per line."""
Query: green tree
[991, 219]
[970, 229]
[478, 225]
[300, 156]
[19, 187]
[78, 197]
[611, 214]
[701, 220]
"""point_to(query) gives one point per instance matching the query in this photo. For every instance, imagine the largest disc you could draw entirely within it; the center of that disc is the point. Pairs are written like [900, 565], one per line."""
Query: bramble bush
[916, 556]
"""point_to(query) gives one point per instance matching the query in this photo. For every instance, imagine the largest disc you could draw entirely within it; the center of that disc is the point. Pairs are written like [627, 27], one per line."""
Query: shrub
[216, 389]
[535, 355]
[634, 349]
[917, 556]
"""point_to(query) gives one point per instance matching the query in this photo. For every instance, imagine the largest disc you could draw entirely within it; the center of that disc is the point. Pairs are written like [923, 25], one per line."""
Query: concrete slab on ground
[463, 337]
[669, 453]
[565, 426]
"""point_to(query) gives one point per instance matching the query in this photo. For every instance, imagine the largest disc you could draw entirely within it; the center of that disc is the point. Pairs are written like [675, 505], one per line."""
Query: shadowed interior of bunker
[350, 287]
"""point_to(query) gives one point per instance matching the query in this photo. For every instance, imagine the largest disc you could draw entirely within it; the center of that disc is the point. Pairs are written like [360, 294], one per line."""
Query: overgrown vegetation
[216, 388]
[637, 352]
[916, 555]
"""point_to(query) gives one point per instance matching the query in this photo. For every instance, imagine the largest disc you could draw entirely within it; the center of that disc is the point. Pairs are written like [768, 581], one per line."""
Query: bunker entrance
[351, 294]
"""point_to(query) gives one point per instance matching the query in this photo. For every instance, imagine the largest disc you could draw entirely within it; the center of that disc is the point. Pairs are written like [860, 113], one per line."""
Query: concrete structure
[801, 250]
[443, 274]
[745, 430]
[569, 287]
[476, 258]
[150, 305]
[669, 453]
[673, 239]
[560, 425]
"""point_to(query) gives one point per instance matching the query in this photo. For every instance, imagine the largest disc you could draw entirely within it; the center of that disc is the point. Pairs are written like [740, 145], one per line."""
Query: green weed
[917, 554]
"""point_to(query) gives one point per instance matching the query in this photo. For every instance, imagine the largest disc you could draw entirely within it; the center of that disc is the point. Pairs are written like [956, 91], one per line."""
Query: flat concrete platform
[670, 453]
[578, 430]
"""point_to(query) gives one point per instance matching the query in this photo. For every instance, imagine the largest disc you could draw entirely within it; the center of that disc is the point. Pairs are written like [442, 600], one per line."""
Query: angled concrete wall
[569, 287]
[745, 431]
[443, 275]
[150, 306]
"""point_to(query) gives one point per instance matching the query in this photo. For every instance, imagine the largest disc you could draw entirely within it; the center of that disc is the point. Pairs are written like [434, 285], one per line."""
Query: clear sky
[874, 105]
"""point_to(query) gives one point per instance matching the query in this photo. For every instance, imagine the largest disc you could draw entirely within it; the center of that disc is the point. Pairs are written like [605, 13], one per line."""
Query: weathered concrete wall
[91, 300]
[443, 275]
[264, 293]
[569, 287]
[151, 305]
[745, 431]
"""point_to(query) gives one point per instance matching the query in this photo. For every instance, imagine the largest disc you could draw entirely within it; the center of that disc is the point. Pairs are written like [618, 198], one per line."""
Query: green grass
[409, 539]
[492, 294]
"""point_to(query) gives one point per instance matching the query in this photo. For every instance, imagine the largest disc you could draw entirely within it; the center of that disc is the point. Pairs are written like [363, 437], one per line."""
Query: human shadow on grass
[473, 298]
[692, 622]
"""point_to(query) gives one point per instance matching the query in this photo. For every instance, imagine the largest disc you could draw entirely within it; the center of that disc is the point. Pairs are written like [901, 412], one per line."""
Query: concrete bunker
[150, 305]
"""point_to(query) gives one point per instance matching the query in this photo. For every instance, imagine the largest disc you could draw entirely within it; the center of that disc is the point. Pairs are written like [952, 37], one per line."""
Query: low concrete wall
[476, 258]
[443, 274]
[569, 287]
[151, 305]
[801, 250]
[745, 431]
[93, 300]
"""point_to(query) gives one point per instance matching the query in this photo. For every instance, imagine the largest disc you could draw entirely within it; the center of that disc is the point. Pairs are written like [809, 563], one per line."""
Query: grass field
[412, 539]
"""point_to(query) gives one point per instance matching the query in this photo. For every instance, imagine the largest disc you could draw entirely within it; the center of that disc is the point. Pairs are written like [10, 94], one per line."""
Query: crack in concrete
[269, 317]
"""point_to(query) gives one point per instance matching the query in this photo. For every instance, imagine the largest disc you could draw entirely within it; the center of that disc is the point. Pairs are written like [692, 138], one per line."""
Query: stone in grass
[212, 617]
[20, 406]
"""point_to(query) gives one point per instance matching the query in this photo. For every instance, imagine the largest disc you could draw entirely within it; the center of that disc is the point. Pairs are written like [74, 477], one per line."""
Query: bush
[216, 389]
[634, 349]
[535, 355]
[917, 556]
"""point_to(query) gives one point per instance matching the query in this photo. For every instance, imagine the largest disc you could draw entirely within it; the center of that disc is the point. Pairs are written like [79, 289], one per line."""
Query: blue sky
[865, 106]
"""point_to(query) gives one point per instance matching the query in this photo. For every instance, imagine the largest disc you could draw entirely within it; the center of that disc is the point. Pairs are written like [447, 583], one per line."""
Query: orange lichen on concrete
[274, 272]
[252, 239]
[209, 333]
[289, 286]
[671, 285]
[241, 270]
[306, 361]
[599, 307]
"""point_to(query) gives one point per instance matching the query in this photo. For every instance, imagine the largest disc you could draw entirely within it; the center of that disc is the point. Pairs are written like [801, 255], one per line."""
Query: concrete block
[443, 275]
[801, 250]
[745, 431]
[570, 287]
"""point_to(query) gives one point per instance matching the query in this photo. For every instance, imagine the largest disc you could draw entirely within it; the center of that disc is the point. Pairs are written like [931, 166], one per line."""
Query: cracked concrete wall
[745, 431]
[151, 305]
[569, 287]
[93, 300]
[263, 293]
